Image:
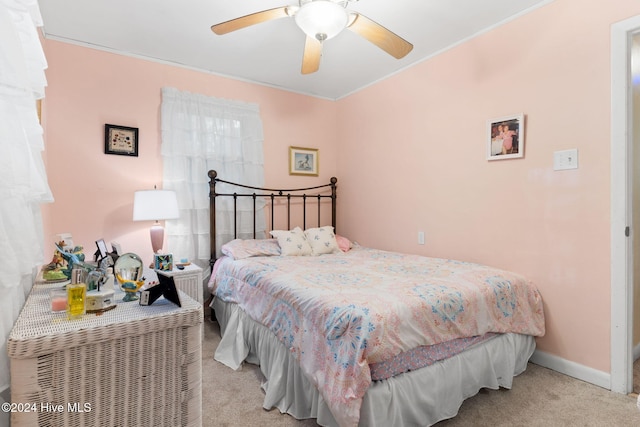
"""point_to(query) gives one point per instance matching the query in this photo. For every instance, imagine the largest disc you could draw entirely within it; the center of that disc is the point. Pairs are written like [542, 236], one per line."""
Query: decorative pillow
[240, 249]
[322, 240]
[343, 243]
[292, 242]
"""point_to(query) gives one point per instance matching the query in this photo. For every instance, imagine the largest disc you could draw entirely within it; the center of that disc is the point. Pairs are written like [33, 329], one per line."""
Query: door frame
[621, 377]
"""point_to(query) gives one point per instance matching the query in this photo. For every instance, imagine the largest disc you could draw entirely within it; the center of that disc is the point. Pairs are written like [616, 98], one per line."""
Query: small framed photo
[505, 137]
[102, 248]
[116, 248]
[303, 161]
[163, 262]
[120, 140]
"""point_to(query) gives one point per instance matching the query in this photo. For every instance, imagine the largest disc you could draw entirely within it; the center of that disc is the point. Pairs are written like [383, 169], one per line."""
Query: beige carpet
[636, 376]
[539, 397]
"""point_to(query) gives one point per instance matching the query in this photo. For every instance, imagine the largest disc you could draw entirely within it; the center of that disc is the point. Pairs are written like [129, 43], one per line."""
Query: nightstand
[188, 280]
[130, 366]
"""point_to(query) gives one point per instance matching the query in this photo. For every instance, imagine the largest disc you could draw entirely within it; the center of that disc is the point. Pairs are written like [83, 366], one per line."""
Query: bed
[351, 335]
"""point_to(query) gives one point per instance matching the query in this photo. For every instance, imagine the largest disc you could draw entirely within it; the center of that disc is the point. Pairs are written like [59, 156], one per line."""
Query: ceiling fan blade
[311, 56]
[386, 40]
[248, 20]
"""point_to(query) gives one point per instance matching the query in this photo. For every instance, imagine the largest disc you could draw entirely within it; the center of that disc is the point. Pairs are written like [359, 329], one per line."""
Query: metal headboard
[269, 194]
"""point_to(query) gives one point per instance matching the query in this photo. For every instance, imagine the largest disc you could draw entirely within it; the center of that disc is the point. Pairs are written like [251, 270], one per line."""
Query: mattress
[339, 314]
[425, 355]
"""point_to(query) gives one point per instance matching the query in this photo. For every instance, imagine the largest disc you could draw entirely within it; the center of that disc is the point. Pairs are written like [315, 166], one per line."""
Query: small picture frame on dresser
[116, 248]
[102, 248]
[163, 262]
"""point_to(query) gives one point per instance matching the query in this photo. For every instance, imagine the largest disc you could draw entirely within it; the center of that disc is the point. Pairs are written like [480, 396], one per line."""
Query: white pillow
[292, 242]
[322, 240]
[241, 249]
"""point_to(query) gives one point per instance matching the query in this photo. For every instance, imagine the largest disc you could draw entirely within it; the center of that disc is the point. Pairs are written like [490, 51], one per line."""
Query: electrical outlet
[421, 237]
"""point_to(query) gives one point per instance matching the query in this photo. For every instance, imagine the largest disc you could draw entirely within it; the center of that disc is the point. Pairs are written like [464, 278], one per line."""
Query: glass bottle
[76, 296]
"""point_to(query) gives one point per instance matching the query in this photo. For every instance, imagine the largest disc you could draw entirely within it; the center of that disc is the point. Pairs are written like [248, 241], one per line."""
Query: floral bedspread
[338, 313]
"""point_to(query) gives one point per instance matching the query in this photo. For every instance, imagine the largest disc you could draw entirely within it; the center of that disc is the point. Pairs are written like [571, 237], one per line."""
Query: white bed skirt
[418, 398]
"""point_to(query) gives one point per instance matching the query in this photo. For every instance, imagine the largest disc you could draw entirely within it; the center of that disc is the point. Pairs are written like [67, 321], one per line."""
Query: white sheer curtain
[200, 133]
[23, 179]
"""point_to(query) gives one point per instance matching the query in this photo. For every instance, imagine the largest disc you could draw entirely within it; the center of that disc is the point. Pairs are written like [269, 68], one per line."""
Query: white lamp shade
[155, 205]
[322, 19]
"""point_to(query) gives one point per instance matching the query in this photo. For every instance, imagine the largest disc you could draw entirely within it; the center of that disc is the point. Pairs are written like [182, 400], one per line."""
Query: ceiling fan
[321, 20]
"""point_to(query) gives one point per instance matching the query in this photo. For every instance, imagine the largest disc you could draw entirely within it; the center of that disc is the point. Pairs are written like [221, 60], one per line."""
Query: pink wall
[427, 156]
[94, 191]
[416, 140]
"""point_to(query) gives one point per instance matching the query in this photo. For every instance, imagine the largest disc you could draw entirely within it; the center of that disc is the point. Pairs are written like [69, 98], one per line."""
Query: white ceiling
[270, 53]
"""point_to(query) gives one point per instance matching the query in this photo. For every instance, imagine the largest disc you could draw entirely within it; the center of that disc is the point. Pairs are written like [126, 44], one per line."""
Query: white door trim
[621, 248]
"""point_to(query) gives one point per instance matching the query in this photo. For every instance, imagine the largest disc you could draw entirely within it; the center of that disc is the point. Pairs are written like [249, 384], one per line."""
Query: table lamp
[155, 205]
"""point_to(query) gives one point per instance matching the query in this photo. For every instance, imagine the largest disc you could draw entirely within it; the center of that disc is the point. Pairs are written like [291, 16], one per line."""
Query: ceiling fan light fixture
[322, 19]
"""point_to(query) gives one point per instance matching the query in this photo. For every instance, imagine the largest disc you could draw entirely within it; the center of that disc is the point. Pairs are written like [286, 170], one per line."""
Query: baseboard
[572, 369]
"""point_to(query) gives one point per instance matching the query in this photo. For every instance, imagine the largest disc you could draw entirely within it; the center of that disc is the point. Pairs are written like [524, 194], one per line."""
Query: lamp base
[157, 237]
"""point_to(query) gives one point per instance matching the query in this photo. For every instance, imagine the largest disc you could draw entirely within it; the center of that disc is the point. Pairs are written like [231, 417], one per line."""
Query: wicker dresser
[130, 366]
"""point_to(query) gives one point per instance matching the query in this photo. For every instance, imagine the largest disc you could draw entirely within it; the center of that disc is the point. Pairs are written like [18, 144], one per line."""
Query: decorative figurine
[72, 258]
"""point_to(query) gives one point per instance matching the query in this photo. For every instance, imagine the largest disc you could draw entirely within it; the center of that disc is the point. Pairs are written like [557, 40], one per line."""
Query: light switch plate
[566, 159]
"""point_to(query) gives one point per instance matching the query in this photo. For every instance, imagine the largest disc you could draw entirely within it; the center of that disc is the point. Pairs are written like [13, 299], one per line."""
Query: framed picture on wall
[303, 161]
[505, 137]
[121, 140]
